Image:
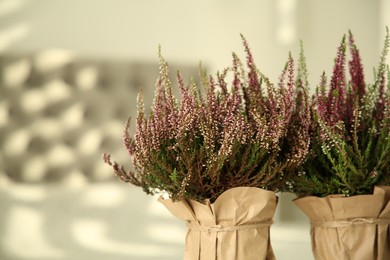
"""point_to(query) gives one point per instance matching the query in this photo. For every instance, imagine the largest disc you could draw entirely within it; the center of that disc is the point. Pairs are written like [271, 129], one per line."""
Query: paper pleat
[355, 228]
[234, 227]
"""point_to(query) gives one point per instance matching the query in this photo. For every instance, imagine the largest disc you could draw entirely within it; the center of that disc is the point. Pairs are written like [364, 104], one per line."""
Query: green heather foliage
[220, 135]
[350, 129]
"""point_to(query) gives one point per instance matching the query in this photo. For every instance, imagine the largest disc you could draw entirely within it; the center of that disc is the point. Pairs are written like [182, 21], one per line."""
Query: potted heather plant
[343, 186]
[220, 152]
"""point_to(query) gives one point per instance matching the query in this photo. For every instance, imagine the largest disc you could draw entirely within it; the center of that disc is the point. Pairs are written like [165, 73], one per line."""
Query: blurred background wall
[69, 74]
[115, 44]
[191, 31]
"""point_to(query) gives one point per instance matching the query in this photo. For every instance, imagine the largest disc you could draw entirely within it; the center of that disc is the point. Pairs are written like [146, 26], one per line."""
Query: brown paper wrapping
[349, 228]
[236, 226]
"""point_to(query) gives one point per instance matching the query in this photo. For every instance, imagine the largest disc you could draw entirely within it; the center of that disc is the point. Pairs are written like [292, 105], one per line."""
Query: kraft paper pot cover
[236, 226]
[355, 228]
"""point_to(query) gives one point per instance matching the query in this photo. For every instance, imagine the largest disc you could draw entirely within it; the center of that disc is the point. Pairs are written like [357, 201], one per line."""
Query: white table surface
[109, 221]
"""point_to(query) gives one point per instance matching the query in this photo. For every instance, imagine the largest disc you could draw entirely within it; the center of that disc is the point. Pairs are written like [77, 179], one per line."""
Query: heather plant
[222, 134]
[350, 149]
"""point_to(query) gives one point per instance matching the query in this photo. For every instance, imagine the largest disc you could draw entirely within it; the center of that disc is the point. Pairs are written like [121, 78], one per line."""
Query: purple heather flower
[200, 141]
[356, 91]
[336, 99]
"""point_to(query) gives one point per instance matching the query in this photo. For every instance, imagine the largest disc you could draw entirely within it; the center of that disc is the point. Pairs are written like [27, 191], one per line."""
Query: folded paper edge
[309, 204]
[186, 209]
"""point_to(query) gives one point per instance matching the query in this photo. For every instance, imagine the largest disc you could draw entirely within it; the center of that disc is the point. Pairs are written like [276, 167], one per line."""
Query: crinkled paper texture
[239, 208]
[350, 228]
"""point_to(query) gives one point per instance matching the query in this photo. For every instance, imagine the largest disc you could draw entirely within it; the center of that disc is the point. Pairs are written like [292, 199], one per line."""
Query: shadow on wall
[60, 112]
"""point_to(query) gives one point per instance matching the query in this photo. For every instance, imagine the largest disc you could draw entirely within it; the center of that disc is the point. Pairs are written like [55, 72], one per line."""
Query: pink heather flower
[354, 99]
[141, 130]
[164, 103]
[202, 144]
[188, 111]
[221, 81]
[351, 129]
[171, 114]
[254, 83]
[321, 102]
[336, 98]
[210, 125]
[127, 140]
[380, 84]
[356, 72]
[380, 101]
[289, 95]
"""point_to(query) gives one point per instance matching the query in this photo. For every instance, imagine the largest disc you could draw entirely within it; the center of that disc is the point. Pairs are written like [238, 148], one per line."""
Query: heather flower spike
[350, 129]
[336, 100]
[380, 83]
[302, 78]
[199, 145]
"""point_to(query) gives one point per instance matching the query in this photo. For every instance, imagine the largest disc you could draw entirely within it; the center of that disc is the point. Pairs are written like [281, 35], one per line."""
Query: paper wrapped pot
[235, 227]
[355, 228]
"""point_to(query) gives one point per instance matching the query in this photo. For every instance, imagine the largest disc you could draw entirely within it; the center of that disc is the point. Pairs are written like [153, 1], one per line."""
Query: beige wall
[384, 7]
[192, 31]
[322, 24]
